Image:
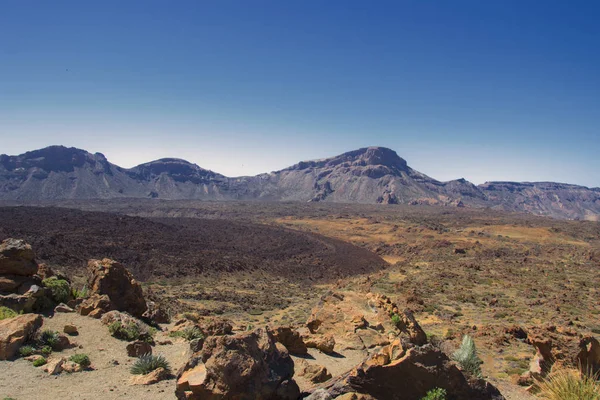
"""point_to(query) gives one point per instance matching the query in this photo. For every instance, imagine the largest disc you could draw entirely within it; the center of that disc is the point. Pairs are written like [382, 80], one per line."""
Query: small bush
[48, 338]
[80, 294]
[435, 394]
[46, 350]
[570, 384]
[81, 359]
[26, 351]
[467, 357]
[6, 312]
[148, 363]
[129, 332]
[60, 289]
[39, 362]
[190, 333]
[395, 319]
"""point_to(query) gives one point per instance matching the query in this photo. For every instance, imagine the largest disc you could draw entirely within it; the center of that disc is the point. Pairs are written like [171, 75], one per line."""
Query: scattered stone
[153, 377]
[244, 366]
[63, 343]
[290, 338]
[54, 366]
[164, 342]
[33, 357]
[70, 367]
[319, 394]
[63, 308]
[313, 372]
[71, 330]
[138, 348]
[15, 331]
[110, 278]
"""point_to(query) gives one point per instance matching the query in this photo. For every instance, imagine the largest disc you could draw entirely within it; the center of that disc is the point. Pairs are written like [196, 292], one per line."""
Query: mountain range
[367, 175]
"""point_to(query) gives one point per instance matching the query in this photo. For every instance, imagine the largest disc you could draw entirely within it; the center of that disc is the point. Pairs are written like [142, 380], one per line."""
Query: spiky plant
[48, 338]
[148, 363]
[570, 384]
[466, 356]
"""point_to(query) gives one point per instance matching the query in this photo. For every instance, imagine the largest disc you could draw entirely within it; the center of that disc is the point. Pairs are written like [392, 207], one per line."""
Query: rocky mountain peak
[51, 159]
[176, 168]
[376, 156]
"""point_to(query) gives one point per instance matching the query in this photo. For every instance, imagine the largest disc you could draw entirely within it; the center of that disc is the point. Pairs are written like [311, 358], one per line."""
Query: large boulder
[406, 374]
[14, 332]
[108, 277]
[242, 367]
[290, 338]
[17, 258]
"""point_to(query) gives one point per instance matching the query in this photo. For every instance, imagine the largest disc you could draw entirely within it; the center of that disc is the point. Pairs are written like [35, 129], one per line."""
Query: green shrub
[129, 332]
[395, 319]
[80, 294]
[190, 333]
[467, 357]
[6, 312]
[570, 384]
[60, 289]
[435, 394]
[148, 363]
[81, 359]
[46, 350]
[48, 338]
[26, 351]
[39, 362]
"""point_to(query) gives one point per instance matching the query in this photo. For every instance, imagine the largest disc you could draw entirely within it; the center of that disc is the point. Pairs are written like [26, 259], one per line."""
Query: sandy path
[108, 380]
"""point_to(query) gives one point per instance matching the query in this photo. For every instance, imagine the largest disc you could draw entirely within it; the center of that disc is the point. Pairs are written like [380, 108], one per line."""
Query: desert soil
[108, 377]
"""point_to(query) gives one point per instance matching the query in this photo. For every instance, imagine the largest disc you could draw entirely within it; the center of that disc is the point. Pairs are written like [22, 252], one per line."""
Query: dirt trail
[108, 379]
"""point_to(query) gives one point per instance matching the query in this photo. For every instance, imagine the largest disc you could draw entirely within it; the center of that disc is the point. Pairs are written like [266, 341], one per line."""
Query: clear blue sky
[485, 90]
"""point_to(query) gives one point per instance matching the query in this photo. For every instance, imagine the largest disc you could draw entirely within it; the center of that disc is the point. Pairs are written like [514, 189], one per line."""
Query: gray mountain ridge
[367, 175]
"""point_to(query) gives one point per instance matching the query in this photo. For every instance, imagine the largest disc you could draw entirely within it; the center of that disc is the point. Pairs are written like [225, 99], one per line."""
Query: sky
[483, 90]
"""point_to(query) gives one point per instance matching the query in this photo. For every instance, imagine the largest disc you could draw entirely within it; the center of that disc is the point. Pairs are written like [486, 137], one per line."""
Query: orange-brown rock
[313, 372]
[242, 367]
[95, 306]
[151, 378]
[110, 278]
[14, 332]
[324, 343]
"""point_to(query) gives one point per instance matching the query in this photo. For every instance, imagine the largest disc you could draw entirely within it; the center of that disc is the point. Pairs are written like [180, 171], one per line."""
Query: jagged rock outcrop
[564, 346]
[290, 338]
[109, 278]
[20, 287]
[342, 316]
[367, 175]
[17, 258]
[242, 367]
[397, 373]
